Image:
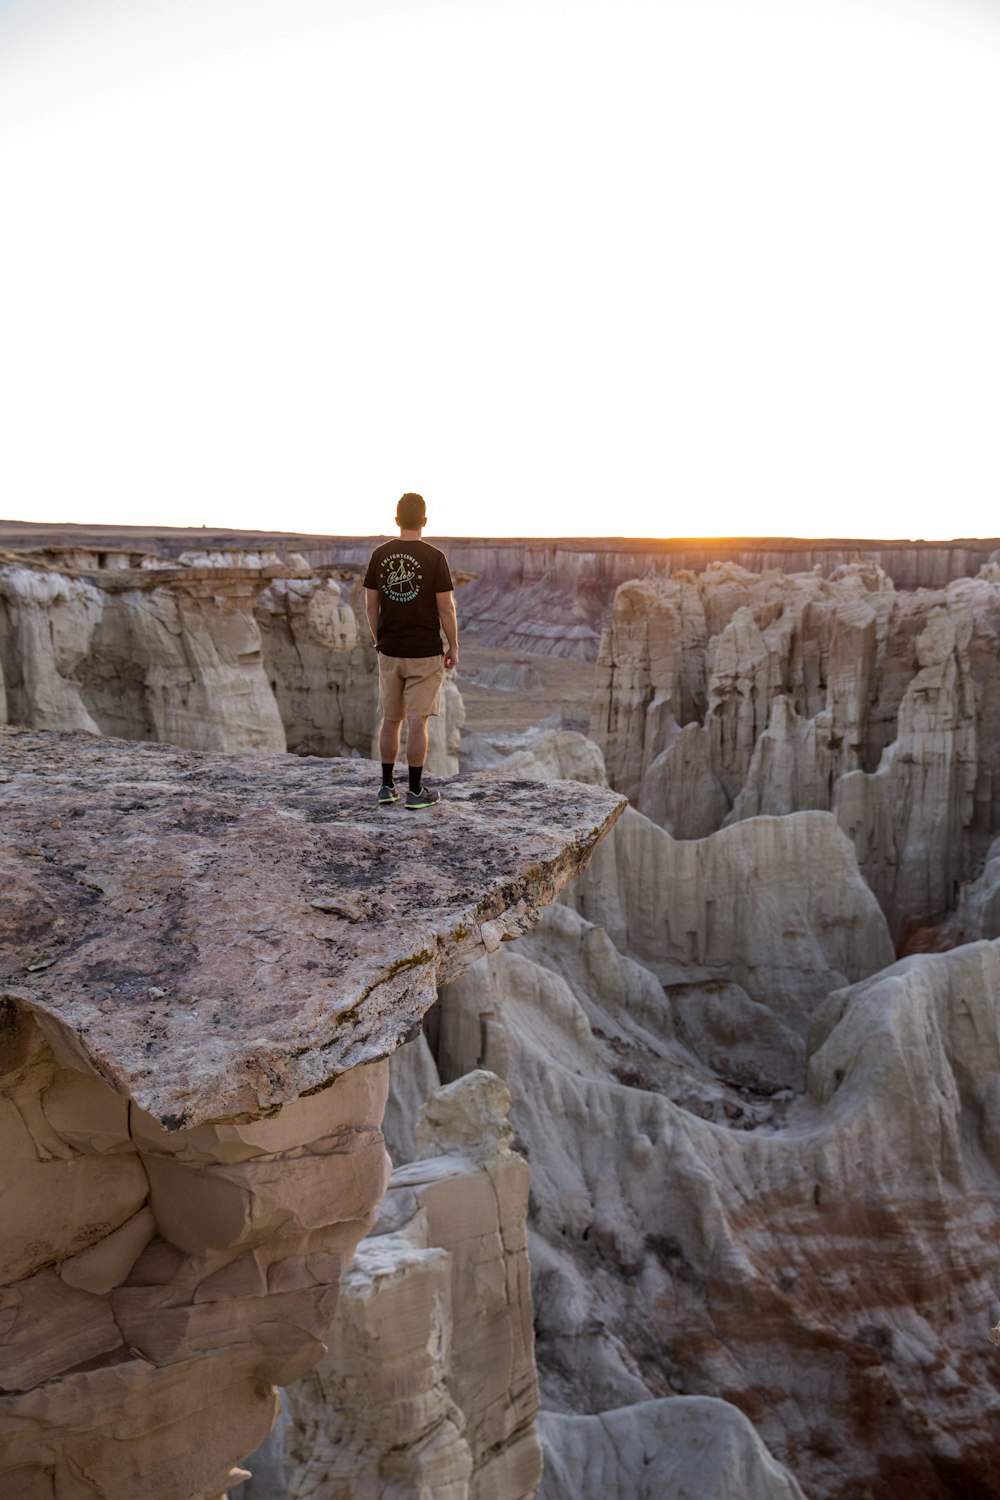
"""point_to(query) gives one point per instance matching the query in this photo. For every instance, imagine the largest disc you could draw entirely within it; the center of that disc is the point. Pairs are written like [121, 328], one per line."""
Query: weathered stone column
[430, 1376]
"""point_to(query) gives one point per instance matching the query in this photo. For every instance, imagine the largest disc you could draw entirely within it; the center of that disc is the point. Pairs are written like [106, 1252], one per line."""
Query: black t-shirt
[408, 575]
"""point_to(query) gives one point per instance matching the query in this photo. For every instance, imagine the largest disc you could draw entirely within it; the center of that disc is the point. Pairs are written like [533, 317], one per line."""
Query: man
[409, 600]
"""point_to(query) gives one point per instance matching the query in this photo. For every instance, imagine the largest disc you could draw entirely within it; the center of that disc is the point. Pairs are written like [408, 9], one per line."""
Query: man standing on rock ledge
[409, 600]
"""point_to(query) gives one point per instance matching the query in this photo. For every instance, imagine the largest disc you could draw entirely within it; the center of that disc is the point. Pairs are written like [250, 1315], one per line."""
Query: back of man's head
[411, 513]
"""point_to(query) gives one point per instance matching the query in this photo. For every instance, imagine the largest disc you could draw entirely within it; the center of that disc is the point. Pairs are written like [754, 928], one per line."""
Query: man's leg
[416, 754]
[416, 742]
[393, 710]
[388, 741]
[388, 749]
[422, 697]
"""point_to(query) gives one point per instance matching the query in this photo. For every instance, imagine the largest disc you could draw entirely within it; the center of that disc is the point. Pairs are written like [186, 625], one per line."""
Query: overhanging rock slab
[215, 935]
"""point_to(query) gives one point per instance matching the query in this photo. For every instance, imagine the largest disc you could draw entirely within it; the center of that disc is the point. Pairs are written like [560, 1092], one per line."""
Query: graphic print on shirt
[401, 577]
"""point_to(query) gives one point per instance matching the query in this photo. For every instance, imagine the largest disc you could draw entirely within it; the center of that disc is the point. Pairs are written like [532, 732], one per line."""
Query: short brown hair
[411, 512]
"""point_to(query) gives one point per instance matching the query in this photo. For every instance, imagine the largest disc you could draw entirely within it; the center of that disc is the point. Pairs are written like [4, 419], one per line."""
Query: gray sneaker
[387, 794]
[423, 798]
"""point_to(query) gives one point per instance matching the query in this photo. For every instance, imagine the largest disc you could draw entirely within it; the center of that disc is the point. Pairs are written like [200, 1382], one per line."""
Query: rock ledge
[214, 935]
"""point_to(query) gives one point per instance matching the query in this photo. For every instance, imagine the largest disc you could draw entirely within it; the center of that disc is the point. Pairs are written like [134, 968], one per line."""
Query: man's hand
[449, 623]
[371, 613]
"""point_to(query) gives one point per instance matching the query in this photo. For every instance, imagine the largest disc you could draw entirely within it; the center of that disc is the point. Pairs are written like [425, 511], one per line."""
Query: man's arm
[371, 610]
[449, 624]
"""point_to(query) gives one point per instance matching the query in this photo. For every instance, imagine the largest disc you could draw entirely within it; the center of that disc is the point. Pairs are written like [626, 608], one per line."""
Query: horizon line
[154, 530]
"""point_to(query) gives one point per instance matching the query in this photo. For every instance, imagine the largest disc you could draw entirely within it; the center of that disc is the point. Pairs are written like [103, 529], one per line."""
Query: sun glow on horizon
[651, 268]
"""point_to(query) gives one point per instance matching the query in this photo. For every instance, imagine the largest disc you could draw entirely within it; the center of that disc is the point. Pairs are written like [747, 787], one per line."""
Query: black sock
[387, 769]
[415, 774]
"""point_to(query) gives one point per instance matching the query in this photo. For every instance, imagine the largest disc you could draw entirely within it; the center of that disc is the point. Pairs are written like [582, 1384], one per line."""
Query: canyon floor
[541, 686]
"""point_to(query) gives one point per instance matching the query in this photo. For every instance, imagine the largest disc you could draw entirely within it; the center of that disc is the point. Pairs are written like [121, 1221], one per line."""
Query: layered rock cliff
[823, 1260]
[729, 695]
[430, 1378]
[554, 597]
[205, 962]
[154, 653]
[221, 651]
[547, 596]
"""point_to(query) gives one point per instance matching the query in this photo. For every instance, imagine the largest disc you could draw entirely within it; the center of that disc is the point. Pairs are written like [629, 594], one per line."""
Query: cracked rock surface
[205, 962]
[215, 935]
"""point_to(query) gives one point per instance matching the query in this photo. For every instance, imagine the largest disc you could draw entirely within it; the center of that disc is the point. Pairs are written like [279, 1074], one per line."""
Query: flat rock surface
[215, 935]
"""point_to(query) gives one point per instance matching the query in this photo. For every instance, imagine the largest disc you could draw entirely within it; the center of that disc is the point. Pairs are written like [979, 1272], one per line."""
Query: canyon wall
[555, 597]
[730, 695]
[791, 1214]
[221, 652]
[430, 1373]
[152, 653]
[551, 597]
[205, 962]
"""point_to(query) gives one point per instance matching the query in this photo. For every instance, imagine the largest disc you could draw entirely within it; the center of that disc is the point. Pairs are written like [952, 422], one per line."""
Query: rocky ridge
[202, 973]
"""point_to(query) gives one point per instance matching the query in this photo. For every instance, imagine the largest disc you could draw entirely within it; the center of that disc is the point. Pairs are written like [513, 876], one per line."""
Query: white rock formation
[547, 752]
[413, 1078]
[977, 914]
[909, 820]
[774, 905]
[429, 1383]
[47, 622]
[168, 655]
[685, 1447]
[215, 652]
[444, 738]
[826, 1263]
[188, 653]
[320, 666]
[729, 695]
[556, 755]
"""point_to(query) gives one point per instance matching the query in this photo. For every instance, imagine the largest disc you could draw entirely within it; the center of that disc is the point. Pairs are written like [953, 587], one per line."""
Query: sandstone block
[429, 1384]
[107, 1264]
[48, 1327]
[224, 1206]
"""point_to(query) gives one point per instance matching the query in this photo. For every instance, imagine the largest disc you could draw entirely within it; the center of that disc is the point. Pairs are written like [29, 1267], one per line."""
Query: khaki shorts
[409, 685]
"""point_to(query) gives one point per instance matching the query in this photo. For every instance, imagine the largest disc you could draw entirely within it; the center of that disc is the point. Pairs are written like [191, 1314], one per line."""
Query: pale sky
[567, 267]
